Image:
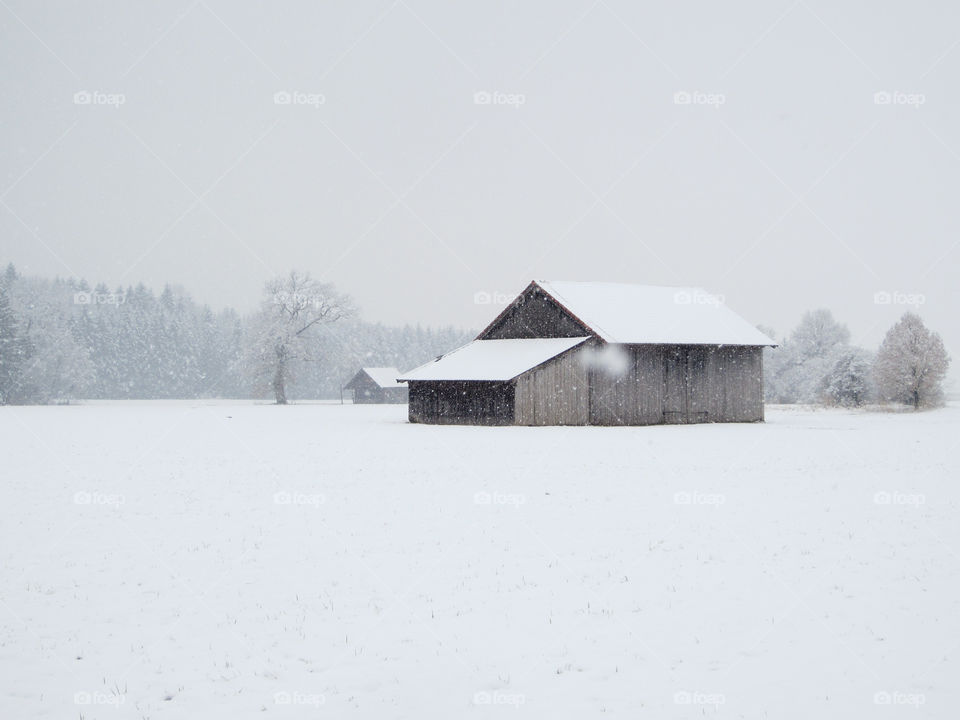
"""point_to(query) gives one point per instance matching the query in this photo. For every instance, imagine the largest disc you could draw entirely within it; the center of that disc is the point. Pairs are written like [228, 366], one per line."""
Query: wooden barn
[377, 385]
[584, 353]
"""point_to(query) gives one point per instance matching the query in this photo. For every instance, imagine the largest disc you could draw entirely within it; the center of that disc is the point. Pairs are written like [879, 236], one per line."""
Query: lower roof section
[492, 360]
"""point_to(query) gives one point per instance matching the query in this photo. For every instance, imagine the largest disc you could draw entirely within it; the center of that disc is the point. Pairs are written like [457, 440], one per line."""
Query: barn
[587, 353]
[377, 385]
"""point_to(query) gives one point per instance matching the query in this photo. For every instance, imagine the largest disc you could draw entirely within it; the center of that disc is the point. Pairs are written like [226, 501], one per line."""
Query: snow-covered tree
[62, 339]
[60, 370]
[296, 308]
[849, 381]
[911, 364]
[54, 366]
[795, 371]
[11, 348]
[819, 334]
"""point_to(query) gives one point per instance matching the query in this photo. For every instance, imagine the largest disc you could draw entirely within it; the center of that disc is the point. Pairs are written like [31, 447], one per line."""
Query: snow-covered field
[239, 560]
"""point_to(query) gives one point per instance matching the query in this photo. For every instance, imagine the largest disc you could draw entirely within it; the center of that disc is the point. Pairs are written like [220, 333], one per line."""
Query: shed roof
[385, 377]
[653, 314]
[494, 360]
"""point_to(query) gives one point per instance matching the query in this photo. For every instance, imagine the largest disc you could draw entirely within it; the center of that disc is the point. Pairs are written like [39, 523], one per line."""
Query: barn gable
[534, 314]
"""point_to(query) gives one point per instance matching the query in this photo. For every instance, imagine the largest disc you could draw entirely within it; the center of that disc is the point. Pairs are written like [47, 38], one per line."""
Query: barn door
[685, 385]
[674, 385]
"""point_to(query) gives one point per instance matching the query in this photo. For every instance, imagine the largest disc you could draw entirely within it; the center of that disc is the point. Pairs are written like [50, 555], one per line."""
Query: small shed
[377, 385]
[586, 353]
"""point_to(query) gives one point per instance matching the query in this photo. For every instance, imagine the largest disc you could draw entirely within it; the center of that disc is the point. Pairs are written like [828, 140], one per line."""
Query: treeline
[63, 339]
[816, 364]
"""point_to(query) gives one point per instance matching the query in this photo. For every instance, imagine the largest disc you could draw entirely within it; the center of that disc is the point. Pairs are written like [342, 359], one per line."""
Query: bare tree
[295, 309]
[911, 364]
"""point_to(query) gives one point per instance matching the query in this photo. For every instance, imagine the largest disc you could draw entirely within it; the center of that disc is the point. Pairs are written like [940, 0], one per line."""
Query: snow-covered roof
[492, 359]
[640, 314]
[385, 377]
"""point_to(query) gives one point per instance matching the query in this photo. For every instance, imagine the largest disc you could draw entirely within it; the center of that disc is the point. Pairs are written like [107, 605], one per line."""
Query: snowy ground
[235, 560]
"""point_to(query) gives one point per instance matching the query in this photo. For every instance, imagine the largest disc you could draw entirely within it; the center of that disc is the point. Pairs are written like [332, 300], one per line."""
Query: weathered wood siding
[461, 403]
[740, 392]
[534, 316]
[660, 384]
[680, 384]
[556, 393]
[634, 397]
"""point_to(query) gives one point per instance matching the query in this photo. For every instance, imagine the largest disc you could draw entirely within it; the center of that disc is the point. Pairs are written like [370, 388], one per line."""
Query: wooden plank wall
[672, 384]
[680, 384]
[739, 396]
[634, 398]
[461, 403]
[556, 393]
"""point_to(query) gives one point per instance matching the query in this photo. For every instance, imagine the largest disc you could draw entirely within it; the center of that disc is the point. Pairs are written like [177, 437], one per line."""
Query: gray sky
[782, 185]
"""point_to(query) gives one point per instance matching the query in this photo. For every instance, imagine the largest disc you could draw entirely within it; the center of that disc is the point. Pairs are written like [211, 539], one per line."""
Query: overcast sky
[737, 146]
